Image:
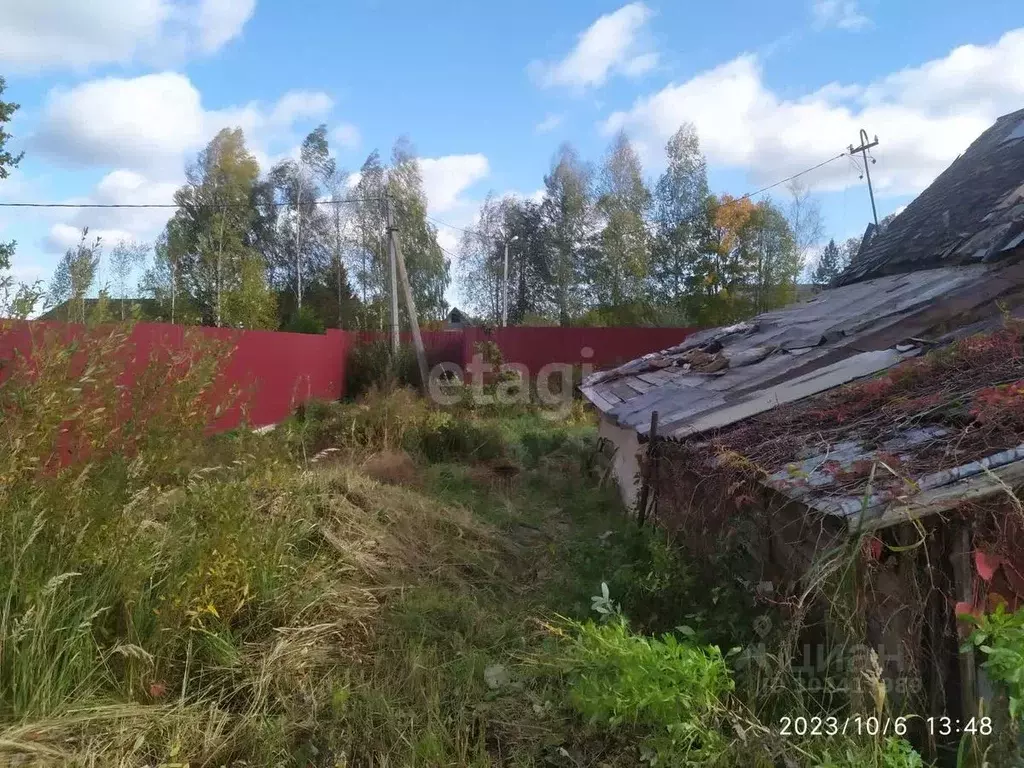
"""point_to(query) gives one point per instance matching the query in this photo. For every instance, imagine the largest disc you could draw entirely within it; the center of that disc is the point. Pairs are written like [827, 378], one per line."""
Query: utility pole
[863, 149]
[298, 241]
[410, 305]
[393, 259]
[504, 286]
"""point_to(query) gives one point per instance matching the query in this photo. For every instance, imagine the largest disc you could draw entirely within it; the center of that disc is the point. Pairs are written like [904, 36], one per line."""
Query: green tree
[210, 240]
[567, 211]
[830, 264]
[619, 273]
[680, 215]
[428, 268]
[481, 261]
[8, 159]
[849, 250]
[368, 258]
[717, 281]
[73, 277]
[529, 255]
[426, 264]
[16, 299]
[301, 226]
[124, 258]
[777, 259]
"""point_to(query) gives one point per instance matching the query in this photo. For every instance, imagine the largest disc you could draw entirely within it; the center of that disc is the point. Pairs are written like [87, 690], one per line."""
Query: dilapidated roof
[926, 436]
[973, 212]
[724, 375]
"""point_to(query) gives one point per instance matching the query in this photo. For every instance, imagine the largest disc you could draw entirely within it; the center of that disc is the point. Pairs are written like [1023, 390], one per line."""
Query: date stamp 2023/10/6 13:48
[872, 725]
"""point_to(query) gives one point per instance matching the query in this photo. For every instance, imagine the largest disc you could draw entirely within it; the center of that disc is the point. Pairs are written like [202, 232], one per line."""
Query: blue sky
[118, 94]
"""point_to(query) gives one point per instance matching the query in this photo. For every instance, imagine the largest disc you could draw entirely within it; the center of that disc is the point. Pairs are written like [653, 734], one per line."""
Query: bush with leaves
[371, 365]
[672, 689]
[1000, 636]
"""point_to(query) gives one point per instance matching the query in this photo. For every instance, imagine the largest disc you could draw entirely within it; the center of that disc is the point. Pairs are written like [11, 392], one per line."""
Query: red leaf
[986, 564]
[963, 607]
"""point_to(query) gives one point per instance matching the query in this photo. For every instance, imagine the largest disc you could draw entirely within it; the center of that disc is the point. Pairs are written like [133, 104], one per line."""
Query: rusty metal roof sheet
[973, 212]
[723, 375]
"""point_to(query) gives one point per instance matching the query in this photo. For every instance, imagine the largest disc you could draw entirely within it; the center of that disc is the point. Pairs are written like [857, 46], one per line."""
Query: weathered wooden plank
[992, 482]
[623, 391]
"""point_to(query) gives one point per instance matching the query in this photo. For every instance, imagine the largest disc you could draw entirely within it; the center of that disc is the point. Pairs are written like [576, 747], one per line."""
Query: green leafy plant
[893, 752]
[1000, 636]
[672, 690]
[604, 605]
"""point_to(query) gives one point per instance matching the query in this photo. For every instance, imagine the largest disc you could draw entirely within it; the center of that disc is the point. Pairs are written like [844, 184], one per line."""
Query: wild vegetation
[373, 583]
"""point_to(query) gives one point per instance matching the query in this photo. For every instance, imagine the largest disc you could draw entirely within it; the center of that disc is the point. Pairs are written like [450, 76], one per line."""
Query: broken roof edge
[943, 498]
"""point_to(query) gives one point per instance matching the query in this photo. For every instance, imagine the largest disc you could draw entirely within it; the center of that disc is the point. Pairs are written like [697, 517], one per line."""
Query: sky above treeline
[118, 95]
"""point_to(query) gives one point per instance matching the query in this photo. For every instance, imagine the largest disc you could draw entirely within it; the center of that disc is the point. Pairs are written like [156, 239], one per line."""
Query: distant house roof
[149, 309]
[973, 212]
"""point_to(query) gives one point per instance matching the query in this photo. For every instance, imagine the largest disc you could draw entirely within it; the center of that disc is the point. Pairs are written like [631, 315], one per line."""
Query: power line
[176, 205]
[734, 200]
[460, 229]
[790, 178]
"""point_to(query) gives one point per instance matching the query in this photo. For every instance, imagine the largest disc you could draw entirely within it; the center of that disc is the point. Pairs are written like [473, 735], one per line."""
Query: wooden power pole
[393, 260]
[398, 262]
[863, 150]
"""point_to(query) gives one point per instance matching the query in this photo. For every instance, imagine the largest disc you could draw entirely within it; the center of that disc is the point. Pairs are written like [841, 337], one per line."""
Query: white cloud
[220, 21]
[118, 187]
[153, 123]
[63, 236]
[77, 34]
[549, 123]
[446, 178]
[148, 128]
[299, 105]
[924, 116]
[347, 135]
[610, 45]
[147, 121]
[844, 14]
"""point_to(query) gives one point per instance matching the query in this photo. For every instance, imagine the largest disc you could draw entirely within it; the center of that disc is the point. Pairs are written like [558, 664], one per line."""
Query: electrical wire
[353, 200]
[747, 196]
[176, 205]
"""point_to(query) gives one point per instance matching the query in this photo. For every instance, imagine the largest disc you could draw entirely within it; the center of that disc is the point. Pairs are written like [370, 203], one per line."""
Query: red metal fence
[600, 347]
[276, 371]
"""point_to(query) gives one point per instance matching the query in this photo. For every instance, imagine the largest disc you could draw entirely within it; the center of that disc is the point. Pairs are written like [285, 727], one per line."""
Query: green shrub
[371, 365]
[1000, 636]
[304, 321]
[454, 439]
[892, 752]
[672, 689]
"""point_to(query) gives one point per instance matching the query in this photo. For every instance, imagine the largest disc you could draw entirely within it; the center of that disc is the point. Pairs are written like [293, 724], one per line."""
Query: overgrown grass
[281, 599]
